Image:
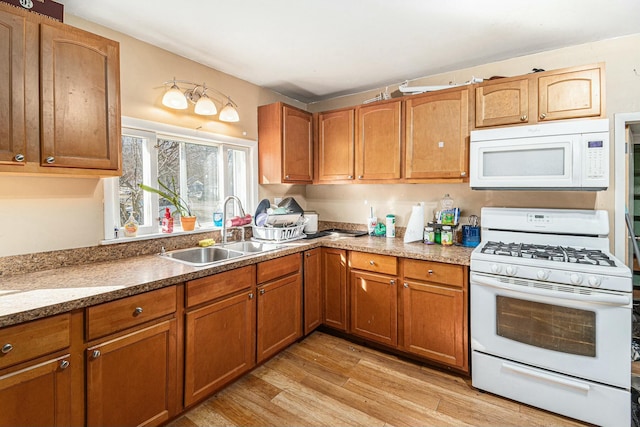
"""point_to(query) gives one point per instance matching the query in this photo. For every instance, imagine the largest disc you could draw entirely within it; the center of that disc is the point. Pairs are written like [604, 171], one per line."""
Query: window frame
[151, 132]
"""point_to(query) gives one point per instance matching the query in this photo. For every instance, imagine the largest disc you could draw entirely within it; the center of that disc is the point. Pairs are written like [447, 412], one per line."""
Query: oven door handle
[547, 377]
[600, 298]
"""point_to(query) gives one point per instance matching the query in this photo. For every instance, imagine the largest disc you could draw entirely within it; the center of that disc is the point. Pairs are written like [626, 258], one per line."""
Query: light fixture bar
[181, 92]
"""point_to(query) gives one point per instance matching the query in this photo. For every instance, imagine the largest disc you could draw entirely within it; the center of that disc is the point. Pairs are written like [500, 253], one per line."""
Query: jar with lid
[429, 236]
[446, 238]
[391, 226]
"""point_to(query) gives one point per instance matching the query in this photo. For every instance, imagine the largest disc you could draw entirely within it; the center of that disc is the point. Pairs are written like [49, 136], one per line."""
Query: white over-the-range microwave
[568, 155]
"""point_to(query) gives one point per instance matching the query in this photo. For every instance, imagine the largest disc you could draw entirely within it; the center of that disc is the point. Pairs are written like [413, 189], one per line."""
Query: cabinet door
[435, 323]
[279, 315]
[502, 103]
[570, 94]
[336, 145]
[220, 345]
[312, 290]
[437, 133]
[374, 307]
[334, 288]
[80, 90]
[39, 395]
[379, 142]
[297, 145]
[131, 380]
[13, 96]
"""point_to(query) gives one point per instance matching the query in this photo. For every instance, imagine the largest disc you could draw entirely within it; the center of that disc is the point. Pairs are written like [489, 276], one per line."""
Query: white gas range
[551, 313]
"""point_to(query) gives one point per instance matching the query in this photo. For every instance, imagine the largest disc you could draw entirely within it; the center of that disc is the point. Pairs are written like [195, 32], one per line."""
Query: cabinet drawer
[278, 267]
[218, 285]
[373, 262]
[121, 314]
[448, 274]
[34, 339]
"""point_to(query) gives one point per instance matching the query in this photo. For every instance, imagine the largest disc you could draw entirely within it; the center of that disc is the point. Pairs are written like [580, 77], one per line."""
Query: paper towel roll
[415, 228]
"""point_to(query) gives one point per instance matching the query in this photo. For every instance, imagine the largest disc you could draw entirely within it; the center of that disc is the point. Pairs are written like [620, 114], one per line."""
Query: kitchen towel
[415, 228]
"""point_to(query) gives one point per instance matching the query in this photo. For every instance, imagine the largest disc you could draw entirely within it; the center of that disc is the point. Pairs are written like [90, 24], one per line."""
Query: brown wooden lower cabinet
[220, 344]
[38, 395]
[374, 308]
[312, 290]
[131, 379]
[334, 288]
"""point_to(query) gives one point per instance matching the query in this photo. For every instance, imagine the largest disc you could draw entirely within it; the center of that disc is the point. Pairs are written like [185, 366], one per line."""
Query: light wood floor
[328, 381]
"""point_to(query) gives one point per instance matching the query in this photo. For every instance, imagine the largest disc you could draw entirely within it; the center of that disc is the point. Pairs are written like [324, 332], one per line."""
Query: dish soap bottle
[131, 227]
[167, 222]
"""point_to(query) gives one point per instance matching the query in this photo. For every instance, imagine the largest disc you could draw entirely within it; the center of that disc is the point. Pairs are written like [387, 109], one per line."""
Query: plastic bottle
[391, 225]
[446, 239]
[131, 227]
[167, 222]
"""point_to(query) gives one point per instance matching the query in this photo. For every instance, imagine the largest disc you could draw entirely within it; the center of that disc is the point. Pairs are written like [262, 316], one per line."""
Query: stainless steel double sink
[199, 257]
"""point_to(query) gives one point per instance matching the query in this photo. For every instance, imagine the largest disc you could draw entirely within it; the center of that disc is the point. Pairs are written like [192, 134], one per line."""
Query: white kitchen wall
[43, 214]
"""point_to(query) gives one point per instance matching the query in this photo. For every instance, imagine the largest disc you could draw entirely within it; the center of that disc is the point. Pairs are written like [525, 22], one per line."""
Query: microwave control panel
[596, 166]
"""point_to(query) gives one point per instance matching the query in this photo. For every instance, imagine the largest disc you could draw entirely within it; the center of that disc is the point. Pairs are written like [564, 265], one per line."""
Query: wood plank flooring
[328, 381]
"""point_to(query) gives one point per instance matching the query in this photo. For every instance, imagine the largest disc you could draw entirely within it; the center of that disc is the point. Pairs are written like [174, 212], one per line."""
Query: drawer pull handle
[6, 348]
[251, 295]
[137, 311]
[360, 176]
[406, 285]
[430, 271]
[64, 364]
[350, 177]
[523, 118]
[392, 282]
[96, 354]
[372, 263]
[261, 291]
[49, 160]
[19, 158]
[543, 116]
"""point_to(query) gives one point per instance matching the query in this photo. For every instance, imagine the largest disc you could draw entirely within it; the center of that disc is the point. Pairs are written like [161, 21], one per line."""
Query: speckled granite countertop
[29, 296]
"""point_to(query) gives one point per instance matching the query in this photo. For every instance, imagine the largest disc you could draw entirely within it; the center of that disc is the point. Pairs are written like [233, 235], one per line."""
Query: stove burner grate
[549, 253]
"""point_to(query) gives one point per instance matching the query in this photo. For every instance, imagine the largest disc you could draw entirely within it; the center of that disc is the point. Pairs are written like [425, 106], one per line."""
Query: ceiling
[315, 50]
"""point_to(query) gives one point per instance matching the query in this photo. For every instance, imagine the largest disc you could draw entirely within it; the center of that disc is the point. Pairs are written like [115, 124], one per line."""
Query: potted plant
[187, 219]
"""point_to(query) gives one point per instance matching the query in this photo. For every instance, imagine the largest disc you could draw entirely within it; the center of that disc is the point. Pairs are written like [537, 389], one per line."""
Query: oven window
[546, 162]
[552, 327]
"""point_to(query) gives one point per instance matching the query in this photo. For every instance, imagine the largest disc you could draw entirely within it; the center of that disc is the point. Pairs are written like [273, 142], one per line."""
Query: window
[205, 168]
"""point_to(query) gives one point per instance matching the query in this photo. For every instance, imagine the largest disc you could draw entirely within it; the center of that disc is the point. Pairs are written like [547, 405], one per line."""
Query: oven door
[572, 330]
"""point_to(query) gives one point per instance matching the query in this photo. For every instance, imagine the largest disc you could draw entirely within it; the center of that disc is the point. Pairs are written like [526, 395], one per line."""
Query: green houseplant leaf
[171, 194]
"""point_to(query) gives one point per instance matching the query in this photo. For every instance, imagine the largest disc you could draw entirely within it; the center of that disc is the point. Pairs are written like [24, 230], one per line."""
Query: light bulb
[174, 98]
[205, 106]
[229, 114]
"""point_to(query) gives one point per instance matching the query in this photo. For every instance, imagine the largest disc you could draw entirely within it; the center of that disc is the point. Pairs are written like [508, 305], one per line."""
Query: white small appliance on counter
[567, 155]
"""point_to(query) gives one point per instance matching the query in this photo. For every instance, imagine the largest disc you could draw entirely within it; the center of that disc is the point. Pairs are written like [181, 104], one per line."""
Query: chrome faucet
[224, 216]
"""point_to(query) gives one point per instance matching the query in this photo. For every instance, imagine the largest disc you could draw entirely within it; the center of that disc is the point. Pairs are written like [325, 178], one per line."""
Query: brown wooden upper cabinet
[551, 95]
[60, 104]
[437, 135]
[379, 141]
[335, 146]
[285, 145]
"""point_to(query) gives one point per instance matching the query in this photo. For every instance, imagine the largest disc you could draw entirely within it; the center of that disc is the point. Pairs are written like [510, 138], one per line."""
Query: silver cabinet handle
[430, 271]
[137, 311]
[96, 354]
[406, 285]
[392, 282]
[50, 160]
[251, 295]
[261, 291]
[463, 173]
[523, 118]
[64, 364]
[543, 116]
[307, 255]
[6, 348]
[360, 176]
[350, 177]
[286, 177]
[19, 158]
[372, 262]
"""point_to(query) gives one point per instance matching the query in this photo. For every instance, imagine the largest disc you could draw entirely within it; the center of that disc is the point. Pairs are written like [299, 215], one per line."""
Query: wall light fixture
[181, 92]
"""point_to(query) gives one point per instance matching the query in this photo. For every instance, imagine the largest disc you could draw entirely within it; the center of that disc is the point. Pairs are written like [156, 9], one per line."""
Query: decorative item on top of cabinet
[285, 145]
[374, 313]
[70, 122]
[335, 146]
[435, 312]
[334, 288]
[132, 374]
[567, 93]
[312, 290]
[36, 374]
[220, 327]
[379, 141]
[279, 312]
[437, 135]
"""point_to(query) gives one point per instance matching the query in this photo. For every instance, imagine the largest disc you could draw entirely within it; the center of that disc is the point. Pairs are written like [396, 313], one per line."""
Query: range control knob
[496, 268]
[543, 274]
[594, 281]
[511, 270]
[575, 278]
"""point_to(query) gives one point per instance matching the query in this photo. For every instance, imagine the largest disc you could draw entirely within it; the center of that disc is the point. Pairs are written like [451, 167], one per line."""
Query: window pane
[131, 196]
[203, 180]
[168, 170]
[237, 175]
